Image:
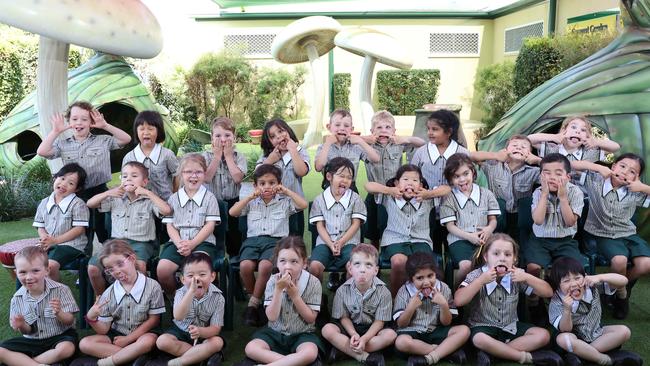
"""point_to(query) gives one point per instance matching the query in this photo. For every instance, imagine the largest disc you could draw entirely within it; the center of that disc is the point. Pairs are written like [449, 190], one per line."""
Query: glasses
[119, 265]
[190, 173]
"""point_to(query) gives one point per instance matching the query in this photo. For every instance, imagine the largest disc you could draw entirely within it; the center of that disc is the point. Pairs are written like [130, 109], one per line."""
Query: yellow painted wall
[571, 8]
[529, 15]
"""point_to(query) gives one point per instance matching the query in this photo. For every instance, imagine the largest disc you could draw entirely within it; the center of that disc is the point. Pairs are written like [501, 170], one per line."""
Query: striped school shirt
[338, 215]
[468, 213]
[587, 154]
[191, 214]
[390, 159]
[408, 221]
[270, 219]
[204, 312]
[508, 185]
[553, 226]
[132, 220]
[162, 164]
[427, 316]
[59, 219]
[350, 151]
[363, 308]
[432, 163]
[289, 177]
[37, 311]
[222, 184]
[290, 322]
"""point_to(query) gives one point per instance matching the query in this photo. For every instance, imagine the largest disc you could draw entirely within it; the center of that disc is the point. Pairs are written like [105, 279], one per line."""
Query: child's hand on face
[283, 281]
[228, 148]
[503, 155]
[421, 194]
[118, 191]
[589, 281]
[58, 123]
[438, 298]
[415, 299]
[98, 120]
[141, 191]
[355, 139]
[532, 159]
[371, 139]
[561, 188]
[217, 149]
[194, 284]
[292, 290]
[280, 189]
[395, 192]
[544, 184]
[257, 192]
[17, 322]
[567, 301]
[331, 139]
[590, 142]
[519, 275]
[399, 140]
[635, 185]
[488, 276]
[291, 145]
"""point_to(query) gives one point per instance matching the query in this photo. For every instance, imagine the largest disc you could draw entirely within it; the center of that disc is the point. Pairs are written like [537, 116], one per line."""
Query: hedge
[401, 92]
[538, 61]
[341, 86]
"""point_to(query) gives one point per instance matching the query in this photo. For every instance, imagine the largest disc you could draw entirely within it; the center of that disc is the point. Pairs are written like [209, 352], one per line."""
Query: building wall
[525, 16]
[570, 8]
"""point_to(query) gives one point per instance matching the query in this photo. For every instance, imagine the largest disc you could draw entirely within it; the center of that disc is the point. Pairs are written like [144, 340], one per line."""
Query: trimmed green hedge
[538, 61]
[401, 92]
[341, 85]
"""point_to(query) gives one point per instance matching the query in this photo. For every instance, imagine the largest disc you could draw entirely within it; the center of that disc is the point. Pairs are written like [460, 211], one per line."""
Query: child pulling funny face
[197, 277]
[290, 265]
[340, 181]
[500, 256]
[576, 133]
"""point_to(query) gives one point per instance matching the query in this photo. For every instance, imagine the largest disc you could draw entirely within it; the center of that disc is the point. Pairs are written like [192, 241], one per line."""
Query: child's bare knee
[619, 263]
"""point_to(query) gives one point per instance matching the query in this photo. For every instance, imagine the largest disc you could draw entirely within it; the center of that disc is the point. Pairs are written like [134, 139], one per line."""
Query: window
[514, 37]
[453, 44]
[249, 45]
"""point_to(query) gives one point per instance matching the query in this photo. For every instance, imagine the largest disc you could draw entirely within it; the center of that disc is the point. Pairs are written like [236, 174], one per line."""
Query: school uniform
[609, 218]
[47, 331]
[348, 150]
[134, 221]
[267, 223]
[290, 330]
[432, 163]
[585, 313]
[407, 231]
[189, 216]
[337, 216]
[493, 310]
[553, 238]
[162, 164]
[362, 308]
[58, 219]
[390, 160]
[510, 186]
[204, 312]
[425, 322]
[128, 310]
[586, 154]
[469, 214]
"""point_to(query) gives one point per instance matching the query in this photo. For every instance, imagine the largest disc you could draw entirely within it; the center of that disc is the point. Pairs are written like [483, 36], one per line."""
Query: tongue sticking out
[341, 190]
[501, 269]
[575, 293]
[426, 291]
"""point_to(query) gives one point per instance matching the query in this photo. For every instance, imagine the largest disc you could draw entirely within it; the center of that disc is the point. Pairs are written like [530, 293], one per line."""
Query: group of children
[411, 210]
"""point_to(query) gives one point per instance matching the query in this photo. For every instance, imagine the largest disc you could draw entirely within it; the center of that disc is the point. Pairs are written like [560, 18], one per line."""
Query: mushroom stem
[365, 100]
[52, 86]
[314, 134]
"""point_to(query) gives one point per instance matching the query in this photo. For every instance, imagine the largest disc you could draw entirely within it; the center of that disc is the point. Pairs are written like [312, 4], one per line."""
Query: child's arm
[100, 327]
[62, 316]
[371, 153]
[45, 149]
[539, 211]
[203, 234]
[607, 145]
[305, 312]
[298, 200]
[408, 140]
[174, 234]
[587, 165]
[299, 165]
[350, 232]
[405, 318]
[481, 156]
[537, 138]
[163, 207]
[374, 187]
[204, 332]
[122, 137]
[473, 238]
[568, 216]
[638, 186]
[229, 153]
[487, 231]
[322, 232]
[465, 294]
[96, 200]
[181, 308]
[217, 151]
[440, 191]
[566, 323]
[321, 158]
[443, 304]
[50, 241]
[347, 324]
[239, 206]
[540, 287]
[614, 280]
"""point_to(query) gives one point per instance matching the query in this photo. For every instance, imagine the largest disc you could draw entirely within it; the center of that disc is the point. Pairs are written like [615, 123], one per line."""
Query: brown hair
[581, 117]
[32, 253]
[478, 260]
[382, 116]
[195, 158]
[79, 104]
[223, 122]
[365, 249]
[292, 242]
[340, 112]
[519, 137]
[455, 162]
[115, 246]
[138, 165]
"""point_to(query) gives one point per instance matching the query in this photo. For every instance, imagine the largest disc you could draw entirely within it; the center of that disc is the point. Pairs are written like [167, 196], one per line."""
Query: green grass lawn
[638, 320]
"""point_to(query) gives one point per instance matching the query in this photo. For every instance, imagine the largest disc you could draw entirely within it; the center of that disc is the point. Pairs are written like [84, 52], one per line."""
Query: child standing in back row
[91, 152]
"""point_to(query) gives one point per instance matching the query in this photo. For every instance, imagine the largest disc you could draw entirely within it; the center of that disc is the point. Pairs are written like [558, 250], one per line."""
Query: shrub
[275, 95]
[538, 61]
[341, 86]
[19, 196]
[252, 156]
[575, 47]
[11, 83]
[494, 94]
[401, 92]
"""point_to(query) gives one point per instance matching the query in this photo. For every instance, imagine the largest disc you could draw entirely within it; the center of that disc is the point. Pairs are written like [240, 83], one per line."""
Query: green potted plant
[256, 136]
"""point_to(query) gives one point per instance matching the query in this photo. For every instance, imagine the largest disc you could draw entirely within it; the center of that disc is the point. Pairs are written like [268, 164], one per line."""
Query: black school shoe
[483, 358]
[334, 281]
[625, 358]
[459, 357]
[621, 307]
[546, 358]
[333, 355]
[142, 360]
[570, 359]
[251, 316]
[375, 359]
[215, 359]
[417, 361]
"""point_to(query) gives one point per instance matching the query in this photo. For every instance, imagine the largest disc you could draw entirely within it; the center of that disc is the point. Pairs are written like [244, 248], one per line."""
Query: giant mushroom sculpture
[373, 46]
[119, 27]
[308, 39]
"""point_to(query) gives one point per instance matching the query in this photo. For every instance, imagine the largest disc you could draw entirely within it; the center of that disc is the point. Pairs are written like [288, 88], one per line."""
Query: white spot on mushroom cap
[289, 45]
[88, 22]
[369, 42]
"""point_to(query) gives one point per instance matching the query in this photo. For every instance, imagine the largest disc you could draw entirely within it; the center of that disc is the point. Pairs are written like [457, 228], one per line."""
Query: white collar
[588, 297]
[198, 196]
[401, 202]
[286, 158]
[410, 287]
[506, 282]
[303, 280]
[621, 191]
[474, 196]
[136, 291]
[49, 284]
[63, 205]
[434, 154]
[330, 200]
[576, 154]
[154, 156]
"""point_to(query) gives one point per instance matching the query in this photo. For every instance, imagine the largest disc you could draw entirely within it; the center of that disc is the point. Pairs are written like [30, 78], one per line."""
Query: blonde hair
[581, 117]
[194, 158]
[382, 116]
[519, 137]
[31, 253]
[479, 261]
[340, 112]
[115, 246]
[223, 122]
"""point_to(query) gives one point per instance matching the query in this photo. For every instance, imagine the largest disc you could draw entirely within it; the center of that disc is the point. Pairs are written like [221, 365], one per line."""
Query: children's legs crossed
[533, 339]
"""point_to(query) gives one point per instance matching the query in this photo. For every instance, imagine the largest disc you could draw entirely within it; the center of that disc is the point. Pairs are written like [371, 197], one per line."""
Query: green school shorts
[630, 246]
[182, 335]
[406, 248]
[323, 254]
[34, 347]
[500, 334]
[438, 335]
[170, 252]
[361, 329]
[461, 250]
[542, 251]
[64, 254]
[258, 248]
[287, 344]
